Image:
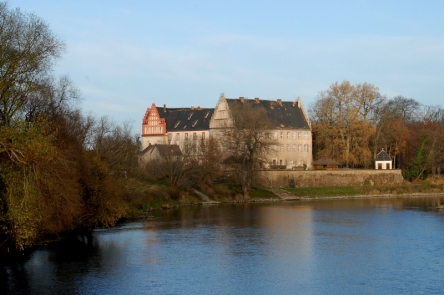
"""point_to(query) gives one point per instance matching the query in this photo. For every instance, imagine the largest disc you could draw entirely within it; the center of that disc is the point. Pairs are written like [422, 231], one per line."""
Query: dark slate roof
[284, 114]
[186, 119]
[383, 156]
[164, 149]
[325, 161]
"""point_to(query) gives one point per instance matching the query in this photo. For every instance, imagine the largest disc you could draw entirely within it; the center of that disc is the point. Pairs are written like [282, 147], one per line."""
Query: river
[349, 246]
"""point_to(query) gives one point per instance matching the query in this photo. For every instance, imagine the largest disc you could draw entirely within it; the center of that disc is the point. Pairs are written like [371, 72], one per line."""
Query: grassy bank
[145, 199]
[425, 187]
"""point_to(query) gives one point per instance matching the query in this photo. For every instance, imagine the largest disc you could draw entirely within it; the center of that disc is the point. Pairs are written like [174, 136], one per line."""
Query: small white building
[383, 161]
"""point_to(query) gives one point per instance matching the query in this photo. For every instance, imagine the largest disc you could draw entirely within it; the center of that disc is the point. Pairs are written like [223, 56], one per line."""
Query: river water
[351, 246]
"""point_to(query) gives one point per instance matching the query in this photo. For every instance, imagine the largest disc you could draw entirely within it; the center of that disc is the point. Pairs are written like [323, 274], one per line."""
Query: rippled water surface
[363, 246]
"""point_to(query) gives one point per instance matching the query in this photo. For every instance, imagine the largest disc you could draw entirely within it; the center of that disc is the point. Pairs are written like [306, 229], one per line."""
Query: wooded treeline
[352, 123]
[59, 169]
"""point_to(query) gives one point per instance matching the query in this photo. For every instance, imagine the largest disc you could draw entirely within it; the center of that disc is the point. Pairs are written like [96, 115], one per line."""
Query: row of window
[296, 148]
[291, 135]
[288, 135]
[283, 162]
[275, 134]
[170, 136]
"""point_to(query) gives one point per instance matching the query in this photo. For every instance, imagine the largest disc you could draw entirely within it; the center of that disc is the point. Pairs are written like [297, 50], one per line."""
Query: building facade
[383, 161]
[175, 126]
[291, 130]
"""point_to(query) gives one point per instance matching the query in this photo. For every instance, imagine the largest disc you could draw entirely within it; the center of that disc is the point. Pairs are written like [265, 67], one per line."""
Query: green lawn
[262, 194]
[333, 191]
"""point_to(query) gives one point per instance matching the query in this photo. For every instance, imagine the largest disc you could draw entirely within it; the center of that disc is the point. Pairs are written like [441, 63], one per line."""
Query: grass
[333, 191]
[407, 188]
[262, 194]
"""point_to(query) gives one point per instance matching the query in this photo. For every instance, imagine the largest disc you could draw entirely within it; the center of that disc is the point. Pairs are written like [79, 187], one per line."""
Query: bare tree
[248, 140]
[28, 50]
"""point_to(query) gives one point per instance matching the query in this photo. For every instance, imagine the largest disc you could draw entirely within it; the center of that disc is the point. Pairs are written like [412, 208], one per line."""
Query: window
[275, 148]
[203, 135]
[299, 135]
[282, 147]
[282, 135]
[305, 147]
[305, 135]
[294, 147]
[194, 135]
[288, 135]
[288, 147]
[300, 147]
[169, 137]
[221, 134]
[214, 134]
[275, 135]
[294, 135]
[178, 136]
[186, 136]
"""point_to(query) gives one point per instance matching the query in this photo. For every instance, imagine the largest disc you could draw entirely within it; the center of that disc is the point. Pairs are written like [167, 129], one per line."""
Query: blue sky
[125, 55]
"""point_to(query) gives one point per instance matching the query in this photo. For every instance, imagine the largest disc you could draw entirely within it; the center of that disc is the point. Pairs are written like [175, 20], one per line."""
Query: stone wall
[340, 177]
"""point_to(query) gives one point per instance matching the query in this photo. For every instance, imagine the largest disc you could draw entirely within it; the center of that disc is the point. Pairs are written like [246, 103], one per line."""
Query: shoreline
[376, 196]
[273, 200]
[296, 198]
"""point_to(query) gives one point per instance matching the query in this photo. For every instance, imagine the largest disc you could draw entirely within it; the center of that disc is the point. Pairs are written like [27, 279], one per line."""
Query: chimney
[164, 107]
[279, 101]
[242, 99]
[256, 99]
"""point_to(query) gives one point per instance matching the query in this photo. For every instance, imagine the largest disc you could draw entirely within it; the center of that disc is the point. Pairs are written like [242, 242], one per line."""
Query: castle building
[291, 130]
[175, 126]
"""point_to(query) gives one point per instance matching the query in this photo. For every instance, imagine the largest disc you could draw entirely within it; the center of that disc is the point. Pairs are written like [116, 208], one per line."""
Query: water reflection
[365, 246]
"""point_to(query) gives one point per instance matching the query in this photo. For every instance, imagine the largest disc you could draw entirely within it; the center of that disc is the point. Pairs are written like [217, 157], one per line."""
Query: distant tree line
[352, 123]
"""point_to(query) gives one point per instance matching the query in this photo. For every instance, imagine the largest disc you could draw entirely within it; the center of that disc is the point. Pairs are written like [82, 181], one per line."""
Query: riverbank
[272, 194]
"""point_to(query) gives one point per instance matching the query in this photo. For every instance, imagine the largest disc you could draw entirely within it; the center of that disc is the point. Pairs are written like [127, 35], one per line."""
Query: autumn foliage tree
[343, 123]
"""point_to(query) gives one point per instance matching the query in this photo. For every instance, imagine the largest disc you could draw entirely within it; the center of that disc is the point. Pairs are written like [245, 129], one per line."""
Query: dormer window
[177, 124]
[206, 115]
[194, 123]
[190, 115]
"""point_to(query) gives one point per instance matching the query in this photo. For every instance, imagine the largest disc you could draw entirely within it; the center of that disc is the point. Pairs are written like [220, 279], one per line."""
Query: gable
[383, 156]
